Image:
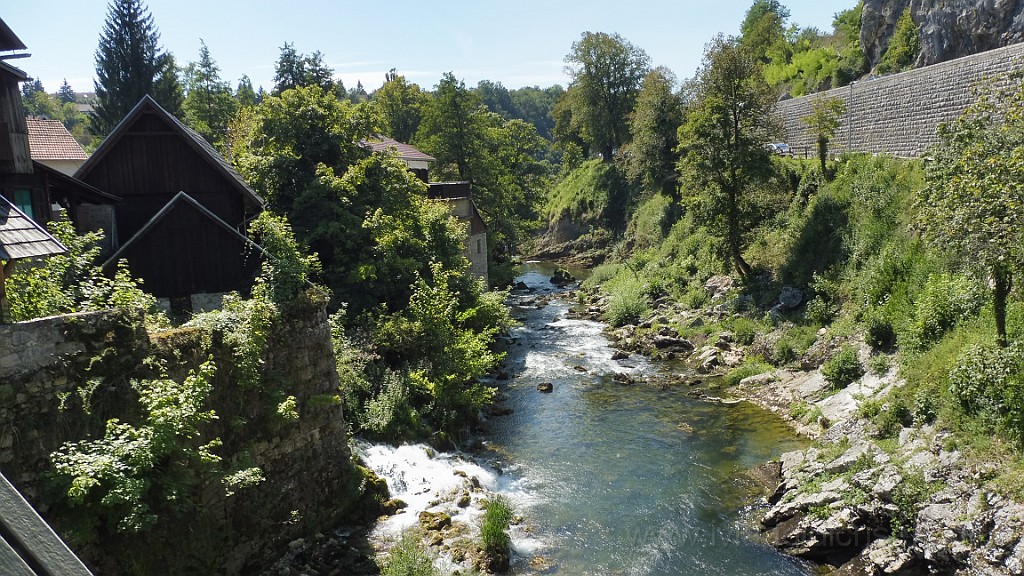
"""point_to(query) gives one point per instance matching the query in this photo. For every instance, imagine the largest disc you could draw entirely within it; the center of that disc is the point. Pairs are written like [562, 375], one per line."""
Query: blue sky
[518, 44]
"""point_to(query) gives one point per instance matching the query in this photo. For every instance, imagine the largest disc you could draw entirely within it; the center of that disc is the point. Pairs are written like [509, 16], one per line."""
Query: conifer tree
[130, 64]
[66, 93]
[209, 105]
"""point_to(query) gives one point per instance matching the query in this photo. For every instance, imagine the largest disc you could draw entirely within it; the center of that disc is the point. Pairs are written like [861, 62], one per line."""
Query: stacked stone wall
[62, 378]
[899, 114]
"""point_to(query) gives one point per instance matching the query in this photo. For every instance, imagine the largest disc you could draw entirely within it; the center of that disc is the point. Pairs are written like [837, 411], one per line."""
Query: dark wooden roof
[8, 40]
[28, 546]
[170, 206]
[83, 191]
[18, 73]
[21, 237]
[190, 136]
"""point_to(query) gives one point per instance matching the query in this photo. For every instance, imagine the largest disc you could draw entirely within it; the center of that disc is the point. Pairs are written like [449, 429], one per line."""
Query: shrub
[843, 368]
[879, 364]
[880, 333]
[945, 300]
[409, 557]
[750, 367]
[820, 310]
[494, 529]
[628, 303]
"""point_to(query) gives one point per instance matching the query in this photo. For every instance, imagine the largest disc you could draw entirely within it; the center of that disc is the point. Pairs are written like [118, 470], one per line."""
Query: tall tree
[763, 31]
[453, 130]
[245, 95]
[209, 104]
[606, 72]
[974, 201]
[398, 105]
[294, 69]
[654, 125]
[66, 93]
[823, 122]
[724, 136]
[130, 64]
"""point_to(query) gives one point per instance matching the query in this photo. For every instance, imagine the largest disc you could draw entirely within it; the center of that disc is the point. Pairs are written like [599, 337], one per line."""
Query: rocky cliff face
[948, 29]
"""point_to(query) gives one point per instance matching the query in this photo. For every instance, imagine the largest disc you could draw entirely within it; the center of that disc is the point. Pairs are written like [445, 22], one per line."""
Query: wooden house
[179, 200]
[458, 196]
[40, 191]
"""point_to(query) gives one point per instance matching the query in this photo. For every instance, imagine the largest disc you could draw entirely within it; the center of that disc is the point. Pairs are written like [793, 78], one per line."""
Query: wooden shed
[184, 209]
[186, 250]
[150, 156]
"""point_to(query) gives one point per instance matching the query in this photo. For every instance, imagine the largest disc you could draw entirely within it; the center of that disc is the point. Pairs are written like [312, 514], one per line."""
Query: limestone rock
[947, 30]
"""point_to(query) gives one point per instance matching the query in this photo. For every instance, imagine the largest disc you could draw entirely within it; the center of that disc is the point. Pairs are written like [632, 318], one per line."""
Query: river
[610, 478]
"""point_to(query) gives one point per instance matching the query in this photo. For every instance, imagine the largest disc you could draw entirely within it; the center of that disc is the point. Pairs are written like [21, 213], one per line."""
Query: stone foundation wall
[899, 114]
[62, 378]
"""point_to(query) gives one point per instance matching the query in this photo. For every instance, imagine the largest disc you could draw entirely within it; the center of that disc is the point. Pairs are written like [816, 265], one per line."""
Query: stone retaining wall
[62, 378]
[899, 114]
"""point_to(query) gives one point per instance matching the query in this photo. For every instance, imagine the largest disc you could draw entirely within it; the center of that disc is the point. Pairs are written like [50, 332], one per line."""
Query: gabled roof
[404, 151]
[8, 40]
[185, 199]
[18, 73]
[191, 137]
[21, 237]
[28, 546]
[85, 191]
[50, 140]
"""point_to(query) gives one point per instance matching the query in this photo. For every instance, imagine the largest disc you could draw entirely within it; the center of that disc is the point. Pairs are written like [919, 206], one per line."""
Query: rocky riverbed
[859, 501]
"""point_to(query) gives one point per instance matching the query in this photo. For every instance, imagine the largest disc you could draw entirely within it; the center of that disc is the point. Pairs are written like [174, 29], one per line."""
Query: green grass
[494, 529]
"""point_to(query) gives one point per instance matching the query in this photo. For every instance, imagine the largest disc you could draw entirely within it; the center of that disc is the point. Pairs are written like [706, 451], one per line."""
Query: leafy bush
[988, 381]
[843, 369]
[628, 303]
[879, 364]
[880, 333]
[945, 300]
[115, 476]
[745, 330]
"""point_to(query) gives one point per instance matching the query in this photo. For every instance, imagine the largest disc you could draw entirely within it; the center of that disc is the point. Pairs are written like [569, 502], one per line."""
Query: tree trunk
[1003, 284]
[823, 156]
[735, 243]
[606, 154]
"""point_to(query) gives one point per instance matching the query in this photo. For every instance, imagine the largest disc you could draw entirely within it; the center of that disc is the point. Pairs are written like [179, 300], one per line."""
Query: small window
[479, 243]
[23, 200]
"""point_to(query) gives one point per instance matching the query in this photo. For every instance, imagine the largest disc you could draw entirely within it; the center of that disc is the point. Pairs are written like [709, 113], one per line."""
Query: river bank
[863, 500]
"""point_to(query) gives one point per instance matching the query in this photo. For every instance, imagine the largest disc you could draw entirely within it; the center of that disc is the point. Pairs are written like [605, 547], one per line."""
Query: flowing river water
[610, 478]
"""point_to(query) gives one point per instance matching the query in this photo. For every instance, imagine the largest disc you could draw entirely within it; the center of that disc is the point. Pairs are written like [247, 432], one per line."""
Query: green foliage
[842, 369]
[907, 496]
[71, 282]
[879, 364]
[723, 140]
[130, 65]
[750, 367]
[593, 195]
[398, 105]
[494, 526]
[807, 60]
[209, 105]
[409, 557]
[116, 476]
[286, 269]
[628, 303]
[971, 206]
[649, 158]
[988, 381]
[945, 300]
[904, 46]
[447, 343]
[606, 74]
